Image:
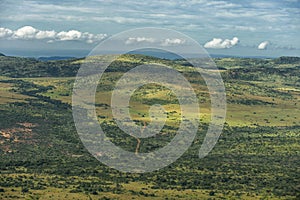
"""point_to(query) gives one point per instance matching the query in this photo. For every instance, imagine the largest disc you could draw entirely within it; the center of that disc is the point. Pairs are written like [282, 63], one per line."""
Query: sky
[267, 28]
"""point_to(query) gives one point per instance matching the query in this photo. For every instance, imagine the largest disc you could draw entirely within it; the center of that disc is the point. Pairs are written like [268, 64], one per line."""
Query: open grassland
[7, 95]
[247, 104]
[133, 190]
[256, 157]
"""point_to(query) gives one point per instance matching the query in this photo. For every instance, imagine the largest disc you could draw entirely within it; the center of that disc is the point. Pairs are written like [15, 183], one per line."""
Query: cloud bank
[164, 42]
[4, 32]
[30, 33]
[263, 45]
[218, 43]
[134, 40]
[172, 42]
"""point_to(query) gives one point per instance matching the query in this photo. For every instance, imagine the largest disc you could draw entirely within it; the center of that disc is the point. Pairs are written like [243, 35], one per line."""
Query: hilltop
[30, 67]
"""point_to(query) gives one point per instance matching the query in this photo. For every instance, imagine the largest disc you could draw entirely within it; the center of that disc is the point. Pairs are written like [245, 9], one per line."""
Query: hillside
[30, 67]
[256, 157]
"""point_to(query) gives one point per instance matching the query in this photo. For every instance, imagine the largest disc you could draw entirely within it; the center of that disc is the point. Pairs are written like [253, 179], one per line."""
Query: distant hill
[30, 67]
[287, 60]
[1, 54]
[172, 56]
[156, 53]
[56, 67]
[54, 58]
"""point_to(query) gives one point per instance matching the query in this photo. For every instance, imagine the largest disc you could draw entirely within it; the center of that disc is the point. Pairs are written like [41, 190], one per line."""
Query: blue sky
[73, 28]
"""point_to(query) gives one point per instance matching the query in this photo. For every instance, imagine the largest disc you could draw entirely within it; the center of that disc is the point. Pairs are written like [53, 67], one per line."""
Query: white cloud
[70, 35]
[172, 42]
[134, 40]
[162, 42]
[45, 34]
[5, 32]
[26, 32]
[31, 33]
[91, 38]
[218, 43]
[263, 45]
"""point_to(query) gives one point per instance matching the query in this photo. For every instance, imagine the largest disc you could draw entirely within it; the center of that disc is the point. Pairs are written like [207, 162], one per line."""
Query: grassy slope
[251, 161]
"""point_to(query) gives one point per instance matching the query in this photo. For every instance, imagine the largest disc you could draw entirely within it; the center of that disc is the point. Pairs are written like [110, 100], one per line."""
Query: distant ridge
[55, 58]
[171, 56]
[1, 54]
[156, 54]
[287, 60]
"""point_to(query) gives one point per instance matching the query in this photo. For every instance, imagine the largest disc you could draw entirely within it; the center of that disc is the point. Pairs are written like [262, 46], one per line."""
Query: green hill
[256, 157]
